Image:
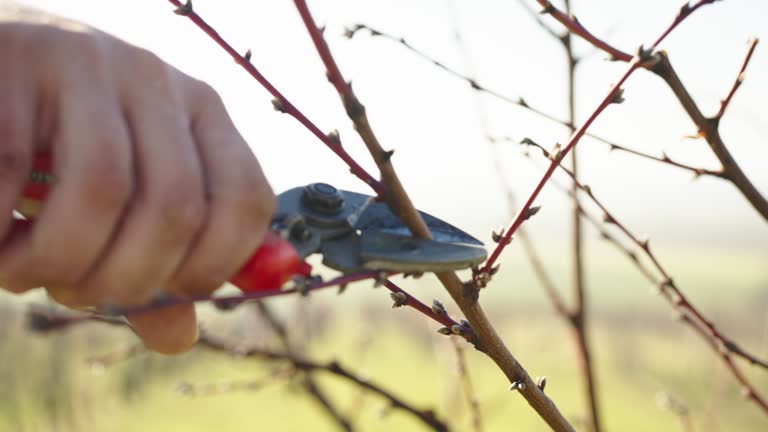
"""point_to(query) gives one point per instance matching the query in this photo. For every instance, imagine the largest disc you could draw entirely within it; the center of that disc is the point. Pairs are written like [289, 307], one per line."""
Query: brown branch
[722, 345]
[709, 130]
[214, 389]
[739, 78]
[205, 340]
[667, 160]
[487, 340]
[708, 126]
[576, 317]
[474, 83]
[520, 102]
[281, 103]
[310, 385]
[579, 313]
[427, 417]
[468, 388]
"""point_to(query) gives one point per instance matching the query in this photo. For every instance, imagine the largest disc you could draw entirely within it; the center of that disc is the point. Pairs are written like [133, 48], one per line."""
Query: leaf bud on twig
[541, 382]
[379, 280]
[386, 155]
[185, 9]
[517, 385]
[618, 96]
[497, 235]
[531, 211]
[278, 105]
[438, 308]
[398, 299]
[445, 331]
[548, 9]
[333, 137]
[556, 154]
[247, 55]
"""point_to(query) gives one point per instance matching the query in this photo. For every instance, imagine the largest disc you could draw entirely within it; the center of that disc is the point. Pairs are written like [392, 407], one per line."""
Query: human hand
[155, 191]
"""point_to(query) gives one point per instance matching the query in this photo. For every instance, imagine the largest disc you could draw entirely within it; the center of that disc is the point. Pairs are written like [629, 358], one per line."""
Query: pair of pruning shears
[353, 232]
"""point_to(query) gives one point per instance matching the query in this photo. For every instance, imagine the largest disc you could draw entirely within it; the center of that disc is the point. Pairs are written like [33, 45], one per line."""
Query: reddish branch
[708, 126]
[41, 322]
[574, 26]
[739, 79]
[691, 315]
[281, 103]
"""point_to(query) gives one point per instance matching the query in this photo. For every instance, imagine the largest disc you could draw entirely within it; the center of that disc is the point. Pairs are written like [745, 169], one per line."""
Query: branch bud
[445, 331]
[248, 55]
[556, 154]
[541, 382]
[386, 155]
[185, 9]
[530, 212]
[548, 9]
[438, 308]
[278, 105]
[618, 96]
[399, 299]
[497, 234]
[333, 137]
[381, 277]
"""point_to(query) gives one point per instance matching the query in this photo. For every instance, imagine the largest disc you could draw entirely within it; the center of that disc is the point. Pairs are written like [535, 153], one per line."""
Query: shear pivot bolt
[323, 198]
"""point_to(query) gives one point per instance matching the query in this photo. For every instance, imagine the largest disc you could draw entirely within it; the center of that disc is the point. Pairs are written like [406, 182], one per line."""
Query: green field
[50, 385]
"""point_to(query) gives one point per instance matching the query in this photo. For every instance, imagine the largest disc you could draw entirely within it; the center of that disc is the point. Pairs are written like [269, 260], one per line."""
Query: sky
[435, 122]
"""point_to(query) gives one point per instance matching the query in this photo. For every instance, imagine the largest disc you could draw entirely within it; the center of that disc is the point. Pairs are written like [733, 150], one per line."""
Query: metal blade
[378, 217]
[394, 252]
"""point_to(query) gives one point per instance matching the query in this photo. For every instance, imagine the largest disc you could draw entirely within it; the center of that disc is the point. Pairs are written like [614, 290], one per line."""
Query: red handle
[271, 265]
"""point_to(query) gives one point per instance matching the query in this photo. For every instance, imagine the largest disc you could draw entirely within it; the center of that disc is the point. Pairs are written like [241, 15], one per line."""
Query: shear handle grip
[269, 267]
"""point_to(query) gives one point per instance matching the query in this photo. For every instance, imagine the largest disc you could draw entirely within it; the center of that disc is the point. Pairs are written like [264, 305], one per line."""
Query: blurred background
[704, 231]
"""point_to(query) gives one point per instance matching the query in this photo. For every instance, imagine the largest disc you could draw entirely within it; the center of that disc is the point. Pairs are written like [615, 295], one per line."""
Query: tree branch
[487, 340]
[722, 345]
[427, 417]
[281, 103]
[308, 382]
[708, 127]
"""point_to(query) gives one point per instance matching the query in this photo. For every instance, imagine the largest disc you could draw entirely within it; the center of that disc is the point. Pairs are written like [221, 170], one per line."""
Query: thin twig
[313, 389]
[43, 321]
[739, 78]
[574, 26]
[643, 58]
[486, 338]
[427, 417]
[477, 85]
[579, 312]
[281, 103]
[708, 126]
[468, 388]
[722, 345]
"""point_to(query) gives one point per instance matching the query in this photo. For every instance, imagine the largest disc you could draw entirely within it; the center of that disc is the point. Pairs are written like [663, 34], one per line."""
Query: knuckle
[206, 94]
[182, 210]
[107, 185]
